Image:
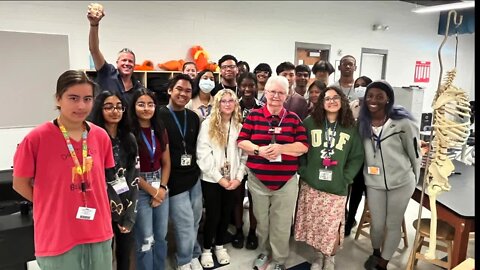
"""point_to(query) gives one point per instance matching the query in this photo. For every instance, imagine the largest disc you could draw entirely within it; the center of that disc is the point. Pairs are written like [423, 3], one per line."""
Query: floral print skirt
[320, 219]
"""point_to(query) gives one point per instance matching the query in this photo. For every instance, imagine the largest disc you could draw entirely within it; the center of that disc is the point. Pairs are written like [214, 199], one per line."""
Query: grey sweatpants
[387, 208]
[273, 210]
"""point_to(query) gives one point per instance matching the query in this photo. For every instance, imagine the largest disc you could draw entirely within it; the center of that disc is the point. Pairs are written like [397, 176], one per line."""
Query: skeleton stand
[436, 174]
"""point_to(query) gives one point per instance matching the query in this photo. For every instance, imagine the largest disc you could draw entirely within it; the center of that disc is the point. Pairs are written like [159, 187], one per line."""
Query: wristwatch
[256, 152]
[164, 187]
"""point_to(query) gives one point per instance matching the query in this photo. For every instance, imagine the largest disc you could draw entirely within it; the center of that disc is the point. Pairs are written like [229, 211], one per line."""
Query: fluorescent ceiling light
[459, 5]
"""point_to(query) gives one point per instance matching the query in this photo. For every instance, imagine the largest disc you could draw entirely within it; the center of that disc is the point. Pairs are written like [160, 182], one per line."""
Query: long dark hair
[392, 111]
[196, 81]
[156, 123]
[123, 129]
[366, 79]
[345, 116]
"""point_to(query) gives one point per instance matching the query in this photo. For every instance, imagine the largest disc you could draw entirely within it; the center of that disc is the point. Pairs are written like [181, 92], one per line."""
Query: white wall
[252, 31]
[10, 137]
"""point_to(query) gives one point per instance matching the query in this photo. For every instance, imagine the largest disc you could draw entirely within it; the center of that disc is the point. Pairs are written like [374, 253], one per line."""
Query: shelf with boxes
[155, 80]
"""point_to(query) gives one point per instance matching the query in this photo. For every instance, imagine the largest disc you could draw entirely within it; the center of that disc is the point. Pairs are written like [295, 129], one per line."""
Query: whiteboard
[9, 139]
[32, 63]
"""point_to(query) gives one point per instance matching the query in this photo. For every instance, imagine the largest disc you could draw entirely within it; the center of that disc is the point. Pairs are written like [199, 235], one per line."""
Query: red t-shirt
[43, 155]
[146, 164]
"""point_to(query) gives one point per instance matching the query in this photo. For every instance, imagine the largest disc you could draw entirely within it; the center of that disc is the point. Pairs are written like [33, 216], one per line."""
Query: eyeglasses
[145, 105]
[334, 98]
[274, 93]
[227, 101]
[228, 66]
[262, 72]
[111, 108]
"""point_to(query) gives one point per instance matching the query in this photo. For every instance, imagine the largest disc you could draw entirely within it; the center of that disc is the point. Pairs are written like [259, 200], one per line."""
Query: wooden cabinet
[155, 80]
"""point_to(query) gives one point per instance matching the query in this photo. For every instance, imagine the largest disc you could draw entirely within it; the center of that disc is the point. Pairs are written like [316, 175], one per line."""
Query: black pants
[124, 247]
[358, 188]
[239, 195]
[218, 203]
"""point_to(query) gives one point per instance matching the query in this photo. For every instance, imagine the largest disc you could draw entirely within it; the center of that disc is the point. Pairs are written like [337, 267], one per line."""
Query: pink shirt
[43, 155]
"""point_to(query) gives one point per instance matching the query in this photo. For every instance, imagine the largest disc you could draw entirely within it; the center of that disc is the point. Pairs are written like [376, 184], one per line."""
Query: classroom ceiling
[432, 2]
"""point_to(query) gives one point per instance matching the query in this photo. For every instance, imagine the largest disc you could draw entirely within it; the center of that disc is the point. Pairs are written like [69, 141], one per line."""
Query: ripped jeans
[151, 227]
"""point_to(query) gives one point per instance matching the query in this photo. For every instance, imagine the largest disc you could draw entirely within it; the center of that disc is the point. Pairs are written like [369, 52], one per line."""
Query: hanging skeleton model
[451, 127]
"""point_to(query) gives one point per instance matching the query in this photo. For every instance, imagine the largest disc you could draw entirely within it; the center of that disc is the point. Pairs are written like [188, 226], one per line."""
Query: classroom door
[310, 56]
[309, 53]
[373, 63]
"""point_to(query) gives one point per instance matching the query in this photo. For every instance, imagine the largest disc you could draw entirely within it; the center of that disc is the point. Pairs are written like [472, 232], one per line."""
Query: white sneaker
[329, 263]
[195, 264]
[222, 256]
[317, 264]
[206, 259]
[187, 266]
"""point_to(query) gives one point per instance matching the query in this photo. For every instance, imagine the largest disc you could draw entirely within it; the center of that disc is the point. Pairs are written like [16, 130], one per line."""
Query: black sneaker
[252, 241]
[349, 226]
[348, 231]
[238, 239]
[371, 262]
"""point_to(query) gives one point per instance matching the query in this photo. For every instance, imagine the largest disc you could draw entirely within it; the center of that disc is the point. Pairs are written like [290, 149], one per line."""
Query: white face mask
[360, 91]
[206, 85]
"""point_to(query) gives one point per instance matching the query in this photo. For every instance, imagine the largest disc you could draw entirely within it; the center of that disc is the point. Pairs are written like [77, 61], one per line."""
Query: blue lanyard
[281, 119]
[178, 123]
[184, 133]
[206, 112]
[151, 148]
[329, 138]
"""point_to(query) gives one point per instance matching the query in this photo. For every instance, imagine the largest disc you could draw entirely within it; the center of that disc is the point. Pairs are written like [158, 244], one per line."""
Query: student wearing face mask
[358, 186]
[202, 100]
[360, 85]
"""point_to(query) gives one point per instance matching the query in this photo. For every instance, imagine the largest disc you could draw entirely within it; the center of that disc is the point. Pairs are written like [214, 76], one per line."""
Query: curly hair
[345, 116]
[219, 132]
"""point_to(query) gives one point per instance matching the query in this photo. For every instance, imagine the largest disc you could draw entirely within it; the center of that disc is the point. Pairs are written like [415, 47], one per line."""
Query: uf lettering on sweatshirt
[318, 139]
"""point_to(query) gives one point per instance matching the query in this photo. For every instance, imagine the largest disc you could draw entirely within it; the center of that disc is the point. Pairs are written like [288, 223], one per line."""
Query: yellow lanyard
[80, 169]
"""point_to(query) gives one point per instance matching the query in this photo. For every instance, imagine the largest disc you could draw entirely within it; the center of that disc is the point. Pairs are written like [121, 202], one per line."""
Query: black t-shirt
[182, 178]
[220, 86]
[245, 111]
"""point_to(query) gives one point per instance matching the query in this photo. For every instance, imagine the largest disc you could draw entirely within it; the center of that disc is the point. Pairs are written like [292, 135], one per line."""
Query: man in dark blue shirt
[110, 77]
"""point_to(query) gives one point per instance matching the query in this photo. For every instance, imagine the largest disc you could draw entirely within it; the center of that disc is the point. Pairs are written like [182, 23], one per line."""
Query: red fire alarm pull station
[422, 72]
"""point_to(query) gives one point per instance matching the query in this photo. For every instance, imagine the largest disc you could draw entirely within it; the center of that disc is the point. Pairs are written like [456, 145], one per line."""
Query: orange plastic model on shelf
[145, 66]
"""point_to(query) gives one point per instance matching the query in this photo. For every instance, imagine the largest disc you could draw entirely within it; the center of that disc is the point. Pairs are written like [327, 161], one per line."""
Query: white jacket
[211, 156]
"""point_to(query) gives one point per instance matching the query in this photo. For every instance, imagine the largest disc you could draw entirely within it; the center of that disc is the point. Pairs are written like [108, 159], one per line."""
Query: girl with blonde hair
[223, 166]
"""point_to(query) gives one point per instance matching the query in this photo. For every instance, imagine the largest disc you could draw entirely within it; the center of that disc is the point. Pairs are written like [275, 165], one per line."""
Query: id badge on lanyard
[120, 185]
[373, 170]
[225, 170]
[325, 174]
[376, 144]
[86, 213]
[185, 160]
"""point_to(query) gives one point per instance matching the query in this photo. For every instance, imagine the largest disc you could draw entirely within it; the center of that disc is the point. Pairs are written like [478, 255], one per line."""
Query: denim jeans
[151, 227]
[185, 214]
